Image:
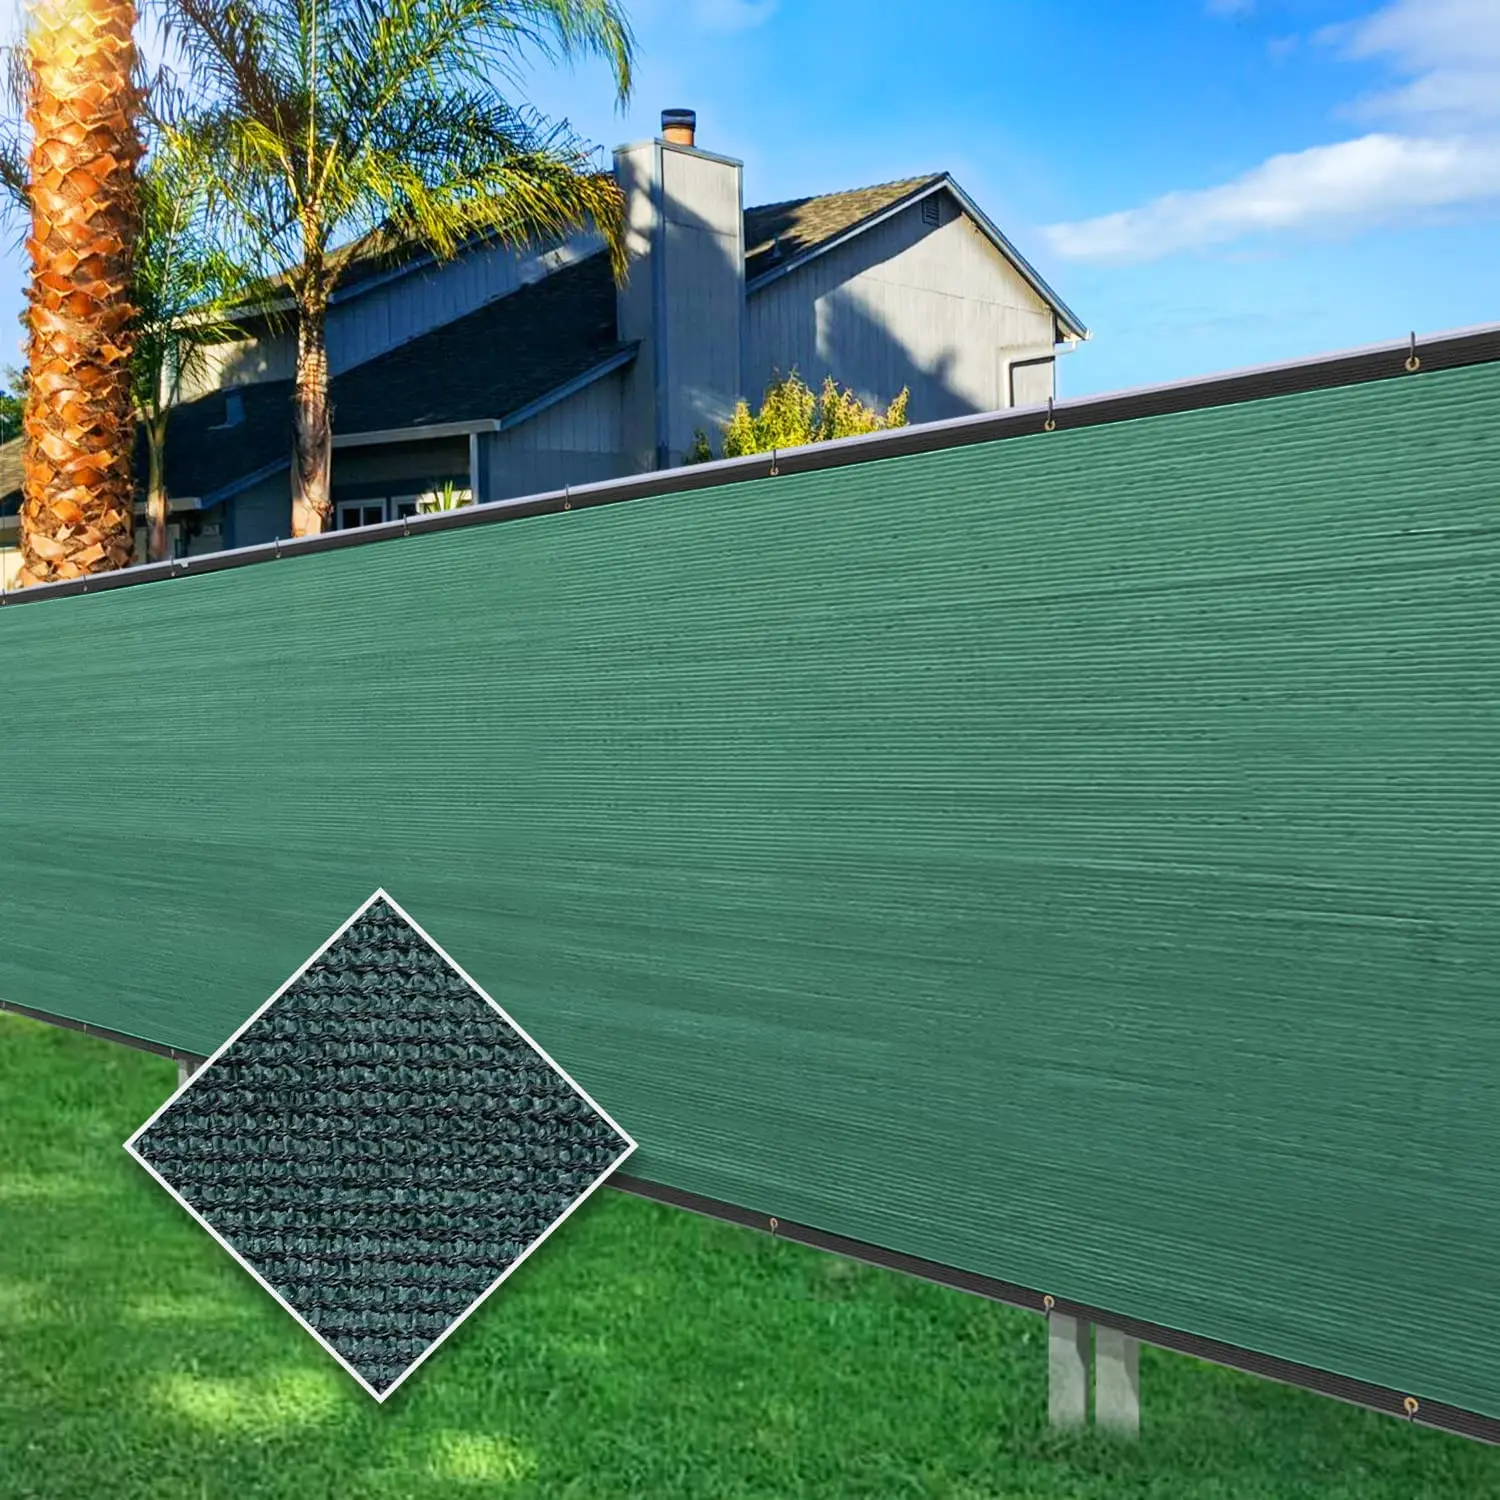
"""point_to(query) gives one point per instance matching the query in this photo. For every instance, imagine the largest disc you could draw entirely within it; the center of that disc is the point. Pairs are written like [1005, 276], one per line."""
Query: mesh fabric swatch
[380, 1145]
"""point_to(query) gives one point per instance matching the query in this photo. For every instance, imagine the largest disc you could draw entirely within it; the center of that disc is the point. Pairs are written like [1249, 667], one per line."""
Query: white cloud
[1351, 185]
[1448, 54]
[1447, 50]
[732, 15]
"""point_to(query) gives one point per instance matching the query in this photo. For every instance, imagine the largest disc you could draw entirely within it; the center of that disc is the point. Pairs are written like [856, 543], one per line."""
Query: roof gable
[807, 227]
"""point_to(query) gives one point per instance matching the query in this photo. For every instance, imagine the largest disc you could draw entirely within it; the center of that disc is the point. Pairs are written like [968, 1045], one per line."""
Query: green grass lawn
[642, 1352]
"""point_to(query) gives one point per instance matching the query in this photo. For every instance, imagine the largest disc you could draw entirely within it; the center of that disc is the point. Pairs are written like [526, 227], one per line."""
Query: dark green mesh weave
[380, 1145]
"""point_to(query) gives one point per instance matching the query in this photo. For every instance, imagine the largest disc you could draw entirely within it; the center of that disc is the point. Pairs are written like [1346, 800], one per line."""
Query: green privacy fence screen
[1073, 859]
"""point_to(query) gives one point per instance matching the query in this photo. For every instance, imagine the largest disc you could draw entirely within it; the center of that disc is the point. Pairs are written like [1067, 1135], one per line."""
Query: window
[361, 513]
[393, 507]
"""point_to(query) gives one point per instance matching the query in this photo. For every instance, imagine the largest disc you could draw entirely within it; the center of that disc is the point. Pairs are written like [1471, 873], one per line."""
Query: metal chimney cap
[679, 125]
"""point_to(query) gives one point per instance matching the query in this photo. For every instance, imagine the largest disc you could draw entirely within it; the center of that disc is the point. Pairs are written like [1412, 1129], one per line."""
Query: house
[503, 372]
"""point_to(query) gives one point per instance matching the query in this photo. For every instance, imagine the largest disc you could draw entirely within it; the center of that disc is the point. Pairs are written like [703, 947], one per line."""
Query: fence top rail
[1403, 358]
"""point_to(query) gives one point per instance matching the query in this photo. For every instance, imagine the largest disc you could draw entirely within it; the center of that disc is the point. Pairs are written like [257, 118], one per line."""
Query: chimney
[684, 302]
[679, 126]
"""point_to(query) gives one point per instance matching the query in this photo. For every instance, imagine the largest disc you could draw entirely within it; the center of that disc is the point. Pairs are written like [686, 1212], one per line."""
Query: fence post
[1067, 1370]
[1117, 1381]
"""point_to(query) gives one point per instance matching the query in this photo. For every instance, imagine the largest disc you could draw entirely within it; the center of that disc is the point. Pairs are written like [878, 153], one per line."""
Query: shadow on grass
[646, 1353]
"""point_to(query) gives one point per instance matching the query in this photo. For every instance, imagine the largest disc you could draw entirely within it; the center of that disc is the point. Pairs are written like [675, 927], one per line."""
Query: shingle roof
[776, 232]
[487, 365]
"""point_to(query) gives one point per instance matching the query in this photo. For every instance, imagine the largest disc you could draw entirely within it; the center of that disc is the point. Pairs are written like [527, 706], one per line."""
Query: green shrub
[791, 416]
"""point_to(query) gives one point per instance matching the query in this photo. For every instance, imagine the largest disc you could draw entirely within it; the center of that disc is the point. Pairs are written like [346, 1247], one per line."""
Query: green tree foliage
[791, 415]
[11, 407]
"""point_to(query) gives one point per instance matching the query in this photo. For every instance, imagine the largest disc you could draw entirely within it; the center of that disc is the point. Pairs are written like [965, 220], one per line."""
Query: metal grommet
[405, 525]
[1048, 1303]
[1412, 362]
[775, 470]
[775, 1225]
[1412, 1406]
[1050, 425]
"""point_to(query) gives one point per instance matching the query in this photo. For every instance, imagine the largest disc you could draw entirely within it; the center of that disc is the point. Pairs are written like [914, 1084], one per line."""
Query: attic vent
[930, 210]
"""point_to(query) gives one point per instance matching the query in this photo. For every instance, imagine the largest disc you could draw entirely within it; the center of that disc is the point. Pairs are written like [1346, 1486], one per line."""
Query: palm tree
[326, 118]
[188, 292]
[77, 487]
[184, 284]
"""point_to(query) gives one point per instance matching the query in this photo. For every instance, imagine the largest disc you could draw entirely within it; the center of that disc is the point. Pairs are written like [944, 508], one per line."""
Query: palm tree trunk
[156, 488]
[312, 422]
[77, 481]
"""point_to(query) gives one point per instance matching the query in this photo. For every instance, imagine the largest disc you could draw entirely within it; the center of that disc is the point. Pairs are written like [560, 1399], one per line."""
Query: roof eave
[1065, 315]
[425, 432]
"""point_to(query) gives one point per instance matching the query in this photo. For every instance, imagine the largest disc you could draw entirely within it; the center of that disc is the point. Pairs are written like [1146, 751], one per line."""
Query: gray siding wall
[937, 309]
[685, 297]
[264, 511]
[577, 441]
[635, 309]
[391, 314]
[261, 513]
[704, 262]
[381, 469]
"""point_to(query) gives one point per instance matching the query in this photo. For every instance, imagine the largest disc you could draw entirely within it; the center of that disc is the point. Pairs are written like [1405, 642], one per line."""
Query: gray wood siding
[685, 297]
[376, 470]
[389, 315]
[635, 306]
[271, 357]
[702, 249]
[577, 441]
[937, 309]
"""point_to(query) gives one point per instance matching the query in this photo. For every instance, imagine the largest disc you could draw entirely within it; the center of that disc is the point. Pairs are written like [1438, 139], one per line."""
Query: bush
[791, 416]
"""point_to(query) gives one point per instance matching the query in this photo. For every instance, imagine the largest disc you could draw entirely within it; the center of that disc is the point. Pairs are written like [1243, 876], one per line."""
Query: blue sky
[1209, 184]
